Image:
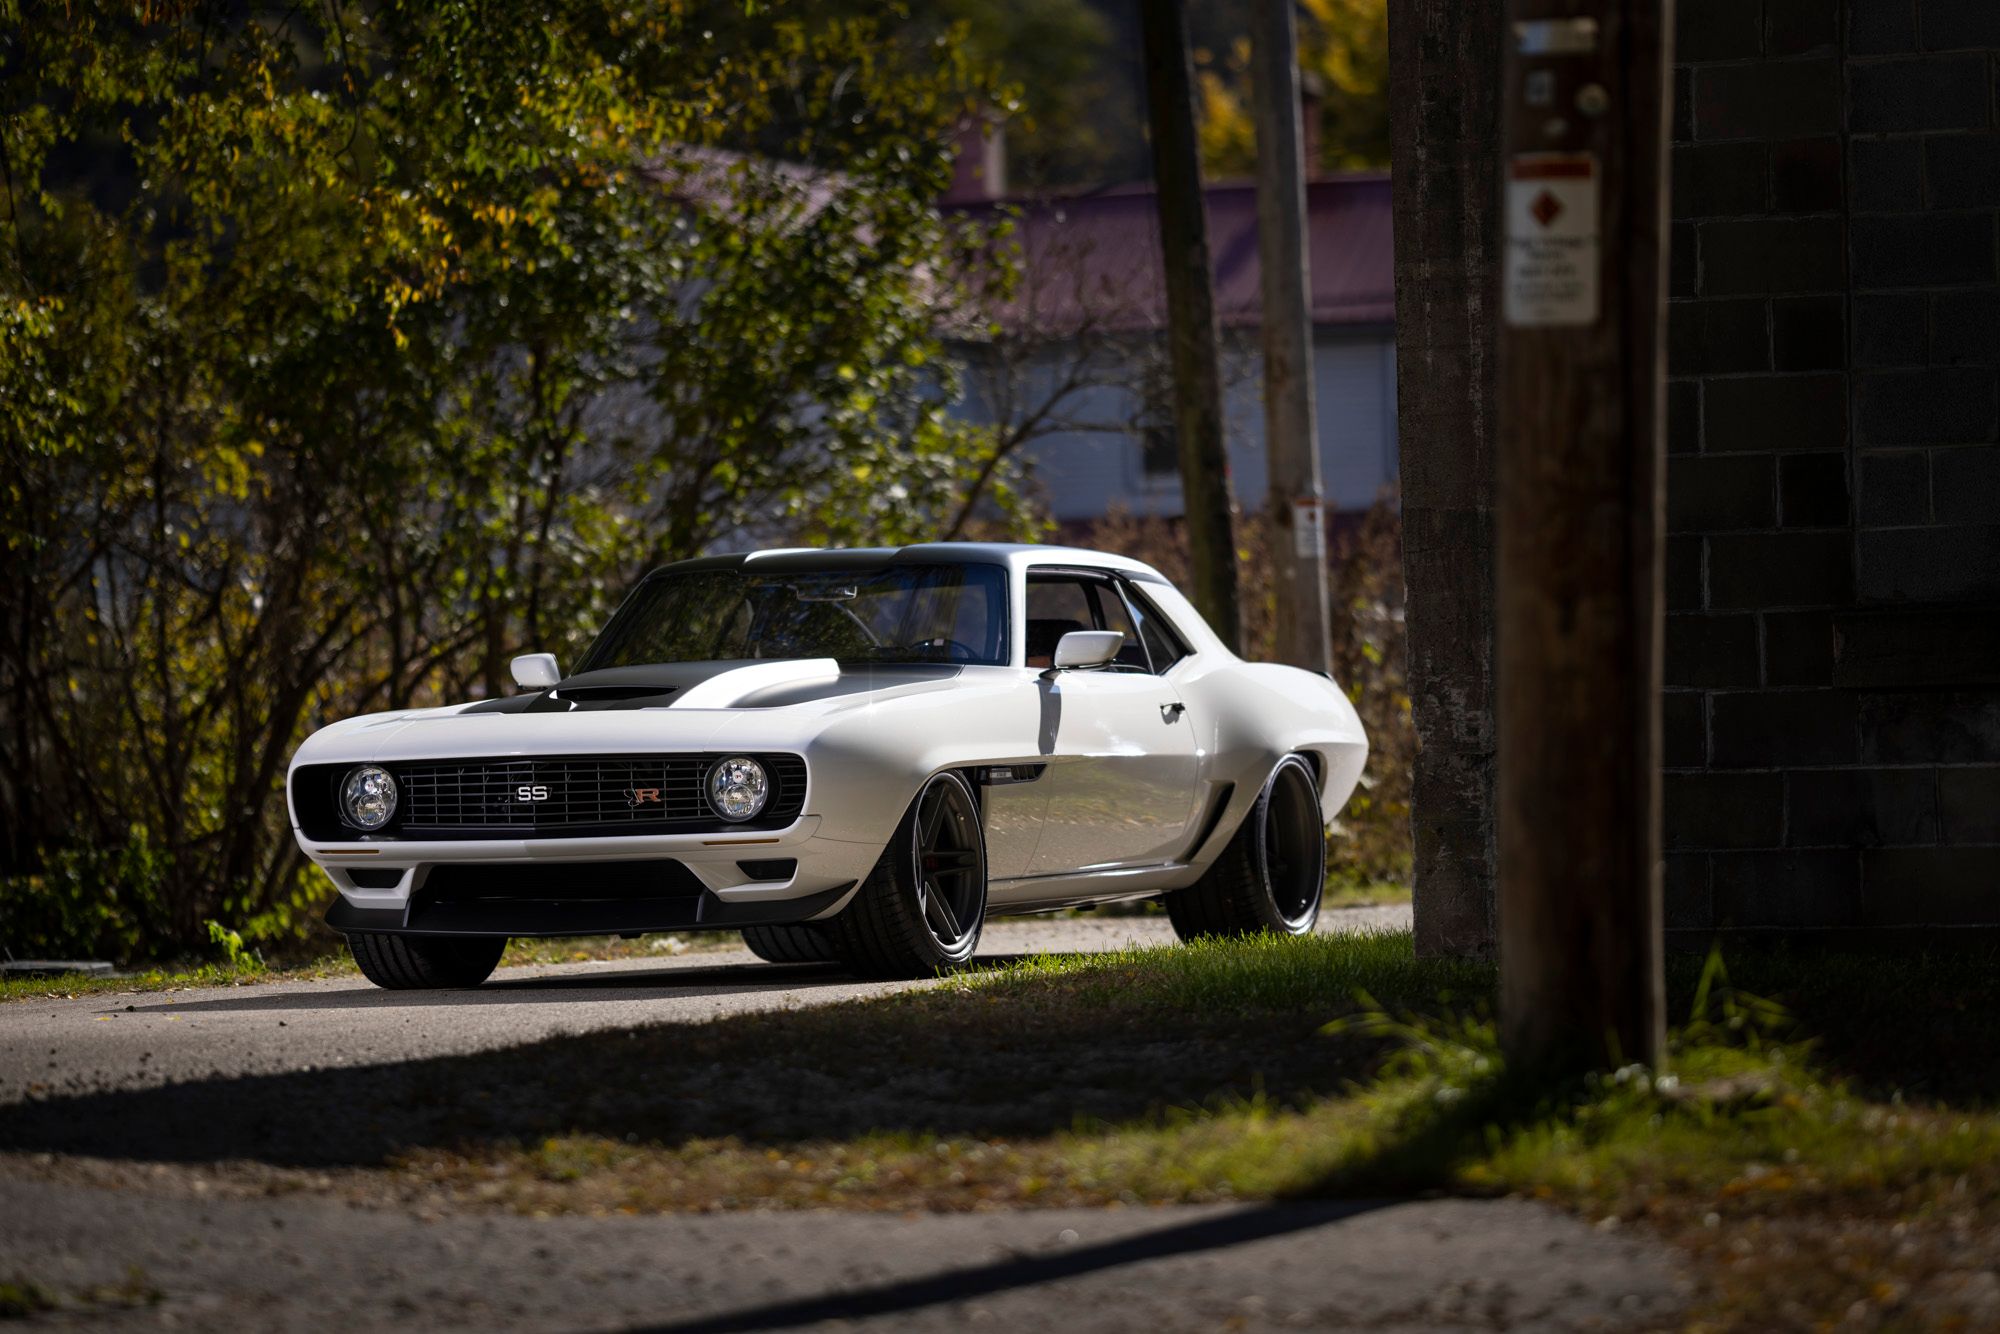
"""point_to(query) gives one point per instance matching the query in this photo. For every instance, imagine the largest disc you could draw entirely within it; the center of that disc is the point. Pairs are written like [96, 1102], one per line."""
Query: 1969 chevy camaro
[848, 756]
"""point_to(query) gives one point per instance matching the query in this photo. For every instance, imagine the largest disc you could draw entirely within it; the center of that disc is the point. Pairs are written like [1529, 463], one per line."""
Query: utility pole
[1584, 104]
[1298, 523]
[1191, 331]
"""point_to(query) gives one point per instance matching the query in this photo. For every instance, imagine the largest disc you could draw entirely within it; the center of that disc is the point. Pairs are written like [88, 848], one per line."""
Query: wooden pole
[1585, 110]
[1291, 442]
[1191, 330]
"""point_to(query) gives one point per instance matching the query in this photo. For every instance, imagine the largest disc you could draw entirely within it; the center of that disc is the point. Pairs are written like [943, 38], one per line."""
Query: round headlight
[368, 797]
[738, 787]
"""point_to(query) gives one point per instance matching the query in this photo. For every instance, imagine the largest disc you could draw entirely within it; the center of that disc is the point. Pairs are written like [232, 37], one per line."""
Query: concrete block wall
[1833, 637]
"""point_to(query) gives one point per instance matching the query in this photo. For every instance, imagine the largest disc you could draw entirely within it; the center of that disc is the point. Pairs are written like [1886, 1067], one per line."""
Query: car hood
[673, 706]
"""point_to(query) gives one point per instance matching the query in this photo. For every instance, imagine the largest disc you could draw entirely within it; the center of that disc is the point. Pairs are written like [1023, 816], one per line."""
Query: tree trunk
[1191, 330]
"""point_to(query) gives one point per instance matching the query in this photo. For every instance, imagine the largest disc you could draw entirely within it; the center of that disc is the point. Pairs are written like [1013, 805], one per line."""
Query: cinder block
[1683, 730]
[1771, 256]
[1931, 727]
[1684, 417]
[1967, 483]
[1712, 651]
[1716, 30]
[1930, 886]
[1920, 249]
[1808, 333]
[1965, 328]
[1812, 491]
[1719, 180]
[1956, 564]
[1805, 176]
[1777, 571]
[1798, 648]
[1881, 27]
[1861, 808]
[1718, 337]
[1799, 27]
[1934, 93]
[1709, 493]
[1969, 802]
[1686, 899]
[1963, 170]
[1684, 574]
[1769, 100]
[1950, 25]
[1958, 405]
[1711, 810]
[1780, 728]
[1917, 646]
[1886, 175]
[1895, 489]
[1890, 330]
[1774, 412]
[1786, 889]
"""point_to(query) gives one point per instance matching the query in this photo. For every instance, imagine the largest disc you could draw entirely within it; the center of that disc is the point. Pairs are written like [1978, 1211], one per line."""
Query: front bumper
[589, 886]
[516, 915]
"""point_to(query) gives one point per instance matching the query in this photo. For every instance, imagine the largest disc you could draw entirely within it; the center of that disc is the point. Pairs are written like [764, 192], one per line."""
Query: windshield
[901, 613]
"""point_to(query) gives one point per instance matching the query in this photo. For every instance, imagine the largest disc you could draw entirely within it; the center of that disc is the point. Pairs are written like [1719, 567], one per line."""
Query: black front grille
[553, 796]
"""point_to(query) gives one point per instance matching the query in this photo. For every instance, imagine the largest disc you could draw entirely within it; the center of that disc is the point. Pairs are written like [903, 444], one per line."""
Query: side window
[1056, 606]
[1157, 631]
[1112, 615]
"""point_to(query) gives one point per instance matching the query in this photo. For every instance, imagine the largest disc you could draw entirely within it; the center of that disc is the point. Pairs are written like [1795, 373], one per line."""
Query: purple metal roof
[1093, 261]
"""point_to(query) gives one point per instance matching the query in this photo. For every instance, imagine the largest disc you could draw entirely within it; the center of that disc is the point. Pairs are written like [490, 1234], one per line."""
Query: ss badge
[531, 792]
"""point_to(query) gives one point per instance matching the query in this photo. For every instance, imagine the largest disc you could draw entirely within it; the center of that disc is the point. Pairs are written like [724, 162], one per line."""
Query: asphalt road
[104, 1043]
[117, 1195]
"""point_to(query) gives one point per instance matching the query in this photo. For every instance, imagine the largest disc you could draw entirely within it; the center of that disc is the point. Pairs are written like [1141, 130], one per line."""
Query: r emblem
[642, 796]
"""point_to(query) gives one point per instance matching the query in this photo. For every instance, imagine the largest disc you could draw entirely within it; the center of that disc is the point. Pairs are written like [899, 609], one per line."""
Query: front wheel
[424, 963]
[1270, 877]
[920, 911]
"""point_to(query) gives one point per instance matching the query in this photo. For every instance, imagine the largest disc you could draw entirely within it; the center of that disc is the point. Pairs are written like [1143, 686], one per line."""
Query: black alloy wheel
[920, 911]
[1270, 878]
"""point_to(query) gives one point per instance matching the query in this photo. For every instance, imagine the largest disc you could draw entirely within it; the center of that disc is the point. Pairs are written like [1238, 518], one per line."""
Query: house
[1077, 369]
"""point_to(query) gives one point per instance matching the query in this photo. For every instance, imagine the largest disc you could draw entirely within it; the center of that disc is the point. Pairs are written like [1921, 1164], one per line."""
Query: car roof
[1012, 554]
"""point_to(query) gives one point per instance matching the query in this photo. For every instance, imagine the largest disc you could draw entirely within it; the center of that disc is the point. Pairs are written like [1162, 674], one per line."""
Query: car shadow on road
[658, 983]
[933, 1061]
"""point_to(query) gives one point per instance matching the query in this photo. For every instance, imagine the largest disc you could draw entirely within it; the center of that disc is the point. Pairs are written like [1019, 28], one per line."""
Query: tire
[920, 911]
[425, 963]
[1270, 878]
[801, 943]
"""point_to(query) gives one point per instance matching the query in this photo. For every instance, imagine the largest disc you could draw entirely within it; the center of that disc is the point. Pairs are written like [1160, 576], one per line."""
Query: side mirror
[1086, 648]
[536, 671]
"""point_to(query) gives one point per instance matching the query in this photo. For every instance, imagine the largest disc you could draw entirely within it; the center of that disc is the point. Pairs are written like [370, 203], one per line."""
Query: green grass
[244, 972]
[21, 1298]
[1799, 1178]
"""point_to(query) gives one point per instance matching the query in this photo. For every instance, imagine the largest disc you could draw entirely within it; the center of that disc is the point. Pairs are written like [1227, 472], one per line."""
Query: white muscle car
[848, 756]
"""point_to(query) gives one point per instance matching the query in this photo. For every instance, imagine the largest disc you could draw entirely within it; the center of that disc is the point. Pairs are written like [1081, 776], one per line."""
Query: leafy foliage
[346, 350]
[1343, 59]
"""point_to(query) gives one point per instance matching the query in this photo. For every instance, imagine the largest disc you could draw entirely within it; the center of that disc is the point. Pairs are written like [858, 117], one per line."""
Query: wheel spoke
[929, 822]
[937, 907]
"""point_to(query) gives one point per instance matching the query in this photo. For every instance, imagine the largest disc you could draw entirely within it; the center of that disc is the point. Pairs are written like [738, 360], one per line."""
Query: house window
[1159, 438]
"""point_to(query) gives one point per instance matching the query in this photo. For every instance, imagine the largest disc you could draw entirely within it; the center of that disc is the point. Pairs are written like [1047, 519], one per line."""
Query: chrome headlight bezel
[738, 788]
[368, 798]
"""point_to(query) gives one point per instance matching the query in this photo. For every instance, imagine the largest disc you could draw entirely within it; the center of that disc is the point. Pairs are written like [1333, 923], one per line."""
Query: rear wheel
[920, 911]
[415, 963]
[801, 943]
[1270, 877]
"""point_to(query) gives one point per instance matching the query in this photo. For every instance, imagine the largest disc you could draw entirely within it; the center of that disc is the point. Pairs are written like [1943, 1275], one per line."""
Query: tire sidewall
[1260, 868]
[909, 875]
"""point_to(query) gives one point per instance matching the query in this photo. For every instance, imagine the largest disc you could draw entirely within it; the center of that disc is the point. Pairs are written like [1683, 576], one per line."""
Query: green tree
[1343, 55]
[373, 342]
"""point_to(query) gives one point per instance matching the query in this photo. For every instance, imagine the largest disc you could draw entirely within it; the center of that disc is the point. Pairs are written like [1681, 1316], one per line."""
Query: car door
[1124, 759]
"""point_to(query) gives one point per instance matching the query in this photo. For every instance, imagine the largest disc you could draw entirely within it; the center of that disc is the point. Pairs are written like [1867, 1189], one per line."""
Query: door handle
[1171, 713]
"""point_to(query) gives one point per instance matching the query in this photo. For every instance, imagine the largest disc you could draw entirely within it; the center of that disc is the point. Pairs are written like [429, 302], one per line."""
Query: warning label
[1552, 240]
